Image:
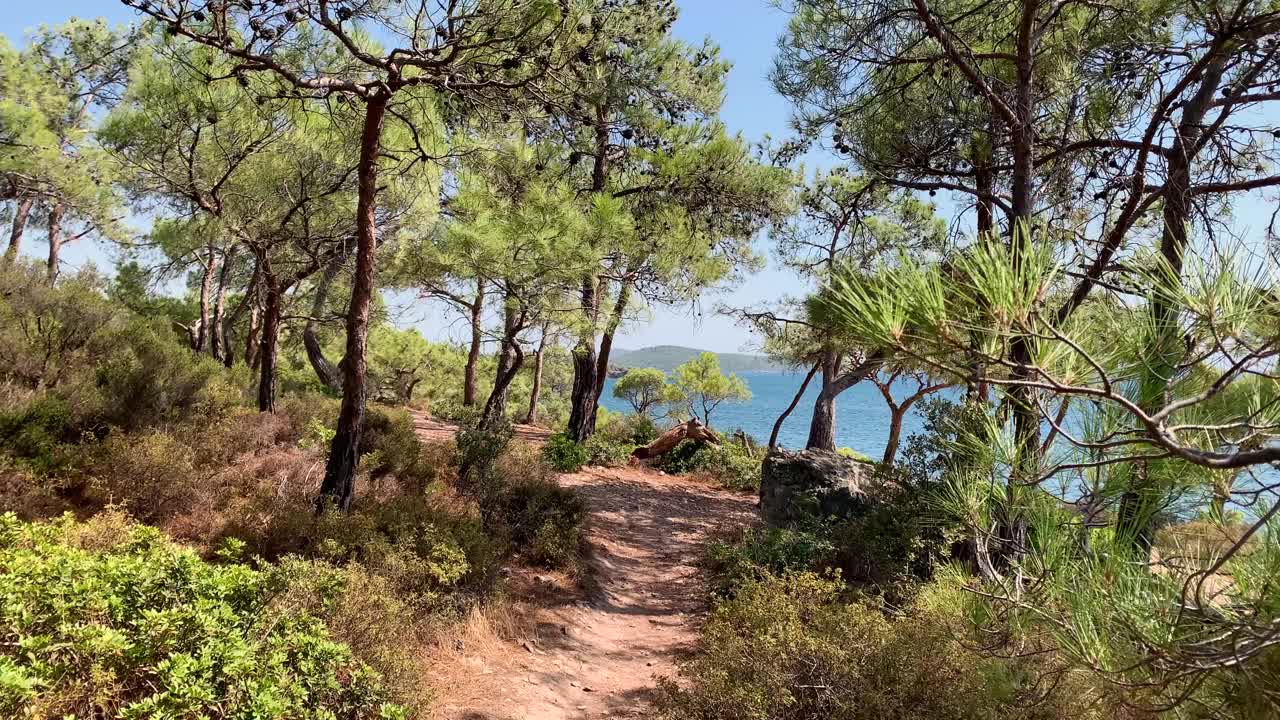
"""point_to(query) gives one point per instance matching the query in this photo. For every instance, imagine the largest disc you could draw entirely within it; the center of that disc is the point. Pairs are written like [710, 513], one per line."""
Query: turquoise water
[862, 418]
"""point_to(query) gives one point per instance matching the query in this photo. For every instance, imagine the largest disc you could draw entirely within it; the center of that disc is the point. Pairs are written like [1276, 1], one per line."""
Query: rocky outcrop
[812, 483]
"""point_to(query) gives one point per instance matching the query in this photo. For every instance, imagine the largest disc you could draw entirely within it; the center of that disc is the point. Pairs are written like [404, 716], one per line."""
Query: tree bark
[218, 346]
[822, 427]
[344, 453]
[325, 370]
[510, 360]
[1137, 504]
[21, 213]
[206, 292]
[273, 303]
[56, 238]
[535, 393]
[606, 340]
[473, 354]
[582, 411]
[251, 346]
[777, 424]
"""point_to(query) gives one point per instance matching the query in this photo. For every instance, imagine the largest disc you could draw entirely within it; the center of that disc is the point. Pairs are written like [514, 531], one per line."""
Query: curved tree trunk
[56, 238]
[606, 341]
[21, 213]
[1140, 500]
[344, 453]
[777, 424]
[510, 360]
[326, 371]
[582, 410]
[473, 353]
[271, 313]
[253, 298]
[822, 428]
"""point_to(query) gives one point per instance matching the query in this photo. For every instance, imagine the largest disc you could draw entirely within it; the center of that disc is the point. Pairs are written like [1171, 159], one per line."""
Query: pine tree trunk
[473, 354]
[271, 313]
[777, 424]
[251, 346]
[206, 293]
[218, 343]
[344, 453]
[326, 371]
[822, 428]
[55, 240]
[606, 341]
[21, 213]
[535, 393]
[896, 414]
[582, 410]
[510, 359]
[1137, 504]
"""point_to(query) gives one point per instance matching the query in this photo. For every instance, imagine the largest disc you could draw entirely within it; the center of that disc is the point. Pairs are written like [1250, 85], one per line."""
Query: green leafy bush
[426, 546]
[563, 454]
[789, 648]
[543, 521]
[129, 625]
[731, 464]
[148, 378]
[602, 451]
[763, 552]
[38, 434]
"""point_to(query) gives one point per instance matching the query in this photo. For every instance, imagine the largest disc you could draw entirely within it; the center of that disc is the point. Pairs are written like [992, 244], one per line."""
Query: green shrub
[898, 542]
[602, 451]
[38, 435]
[139, 627]
[148, 378]
[731, 464]
[543, 521]
[151, 474]
[763, 552]
[421, 543]
[633, 430]
[790, 649]
[563, 454]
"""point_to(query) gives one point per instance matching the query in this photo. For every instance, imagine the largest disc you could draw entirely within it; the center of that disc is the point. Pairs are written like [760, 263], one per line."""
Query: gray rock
[795, 486]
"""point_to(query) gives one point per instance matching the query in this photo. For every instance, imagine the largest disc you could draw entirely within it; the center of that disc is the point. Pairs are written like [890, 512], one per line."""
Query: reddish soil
[593, 649]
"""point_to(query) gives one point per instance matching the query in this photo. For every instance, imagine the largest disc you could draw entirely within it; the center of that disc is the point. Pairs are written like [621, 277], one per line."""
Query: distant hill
[667, 357]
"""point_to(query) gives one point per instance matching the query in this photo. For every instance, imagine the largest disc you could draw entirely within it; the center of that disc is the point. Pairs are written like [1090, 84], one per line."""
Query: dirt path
[594, 653]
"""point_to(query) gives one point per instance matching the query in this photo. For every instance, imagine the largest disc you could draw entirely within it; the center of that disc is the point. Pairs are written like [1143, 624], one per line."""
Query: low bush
[429, 547]
[731, 464]
[126, 624]
[760, 553]
[603, 451]
[543, 520]
[151, 474]
[563, 454]
[789, 648]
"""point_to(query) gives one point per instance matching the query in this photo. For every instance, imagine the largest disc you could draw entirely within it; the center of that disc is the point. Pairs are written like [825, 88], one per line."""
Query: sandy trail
[595, 653]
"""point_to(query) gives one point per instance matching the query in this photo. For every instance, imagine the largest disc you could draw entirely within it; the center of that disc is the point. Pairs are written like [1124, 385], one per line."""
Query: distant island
[667, 357]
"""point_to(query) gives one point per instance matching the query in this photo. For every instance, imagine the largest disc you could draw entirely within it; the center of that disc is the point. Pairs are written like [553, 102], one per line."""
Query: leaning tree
[389, 59]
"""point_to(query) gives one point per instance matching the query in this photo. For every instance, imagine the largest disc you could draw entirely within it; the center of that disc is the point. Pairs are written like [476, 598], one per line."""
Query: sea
[862, 418]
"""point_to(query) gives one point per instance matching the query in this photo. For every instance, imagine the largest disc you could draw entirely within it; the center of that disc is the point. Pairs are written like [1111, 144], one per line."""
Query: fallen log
[692, 430]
